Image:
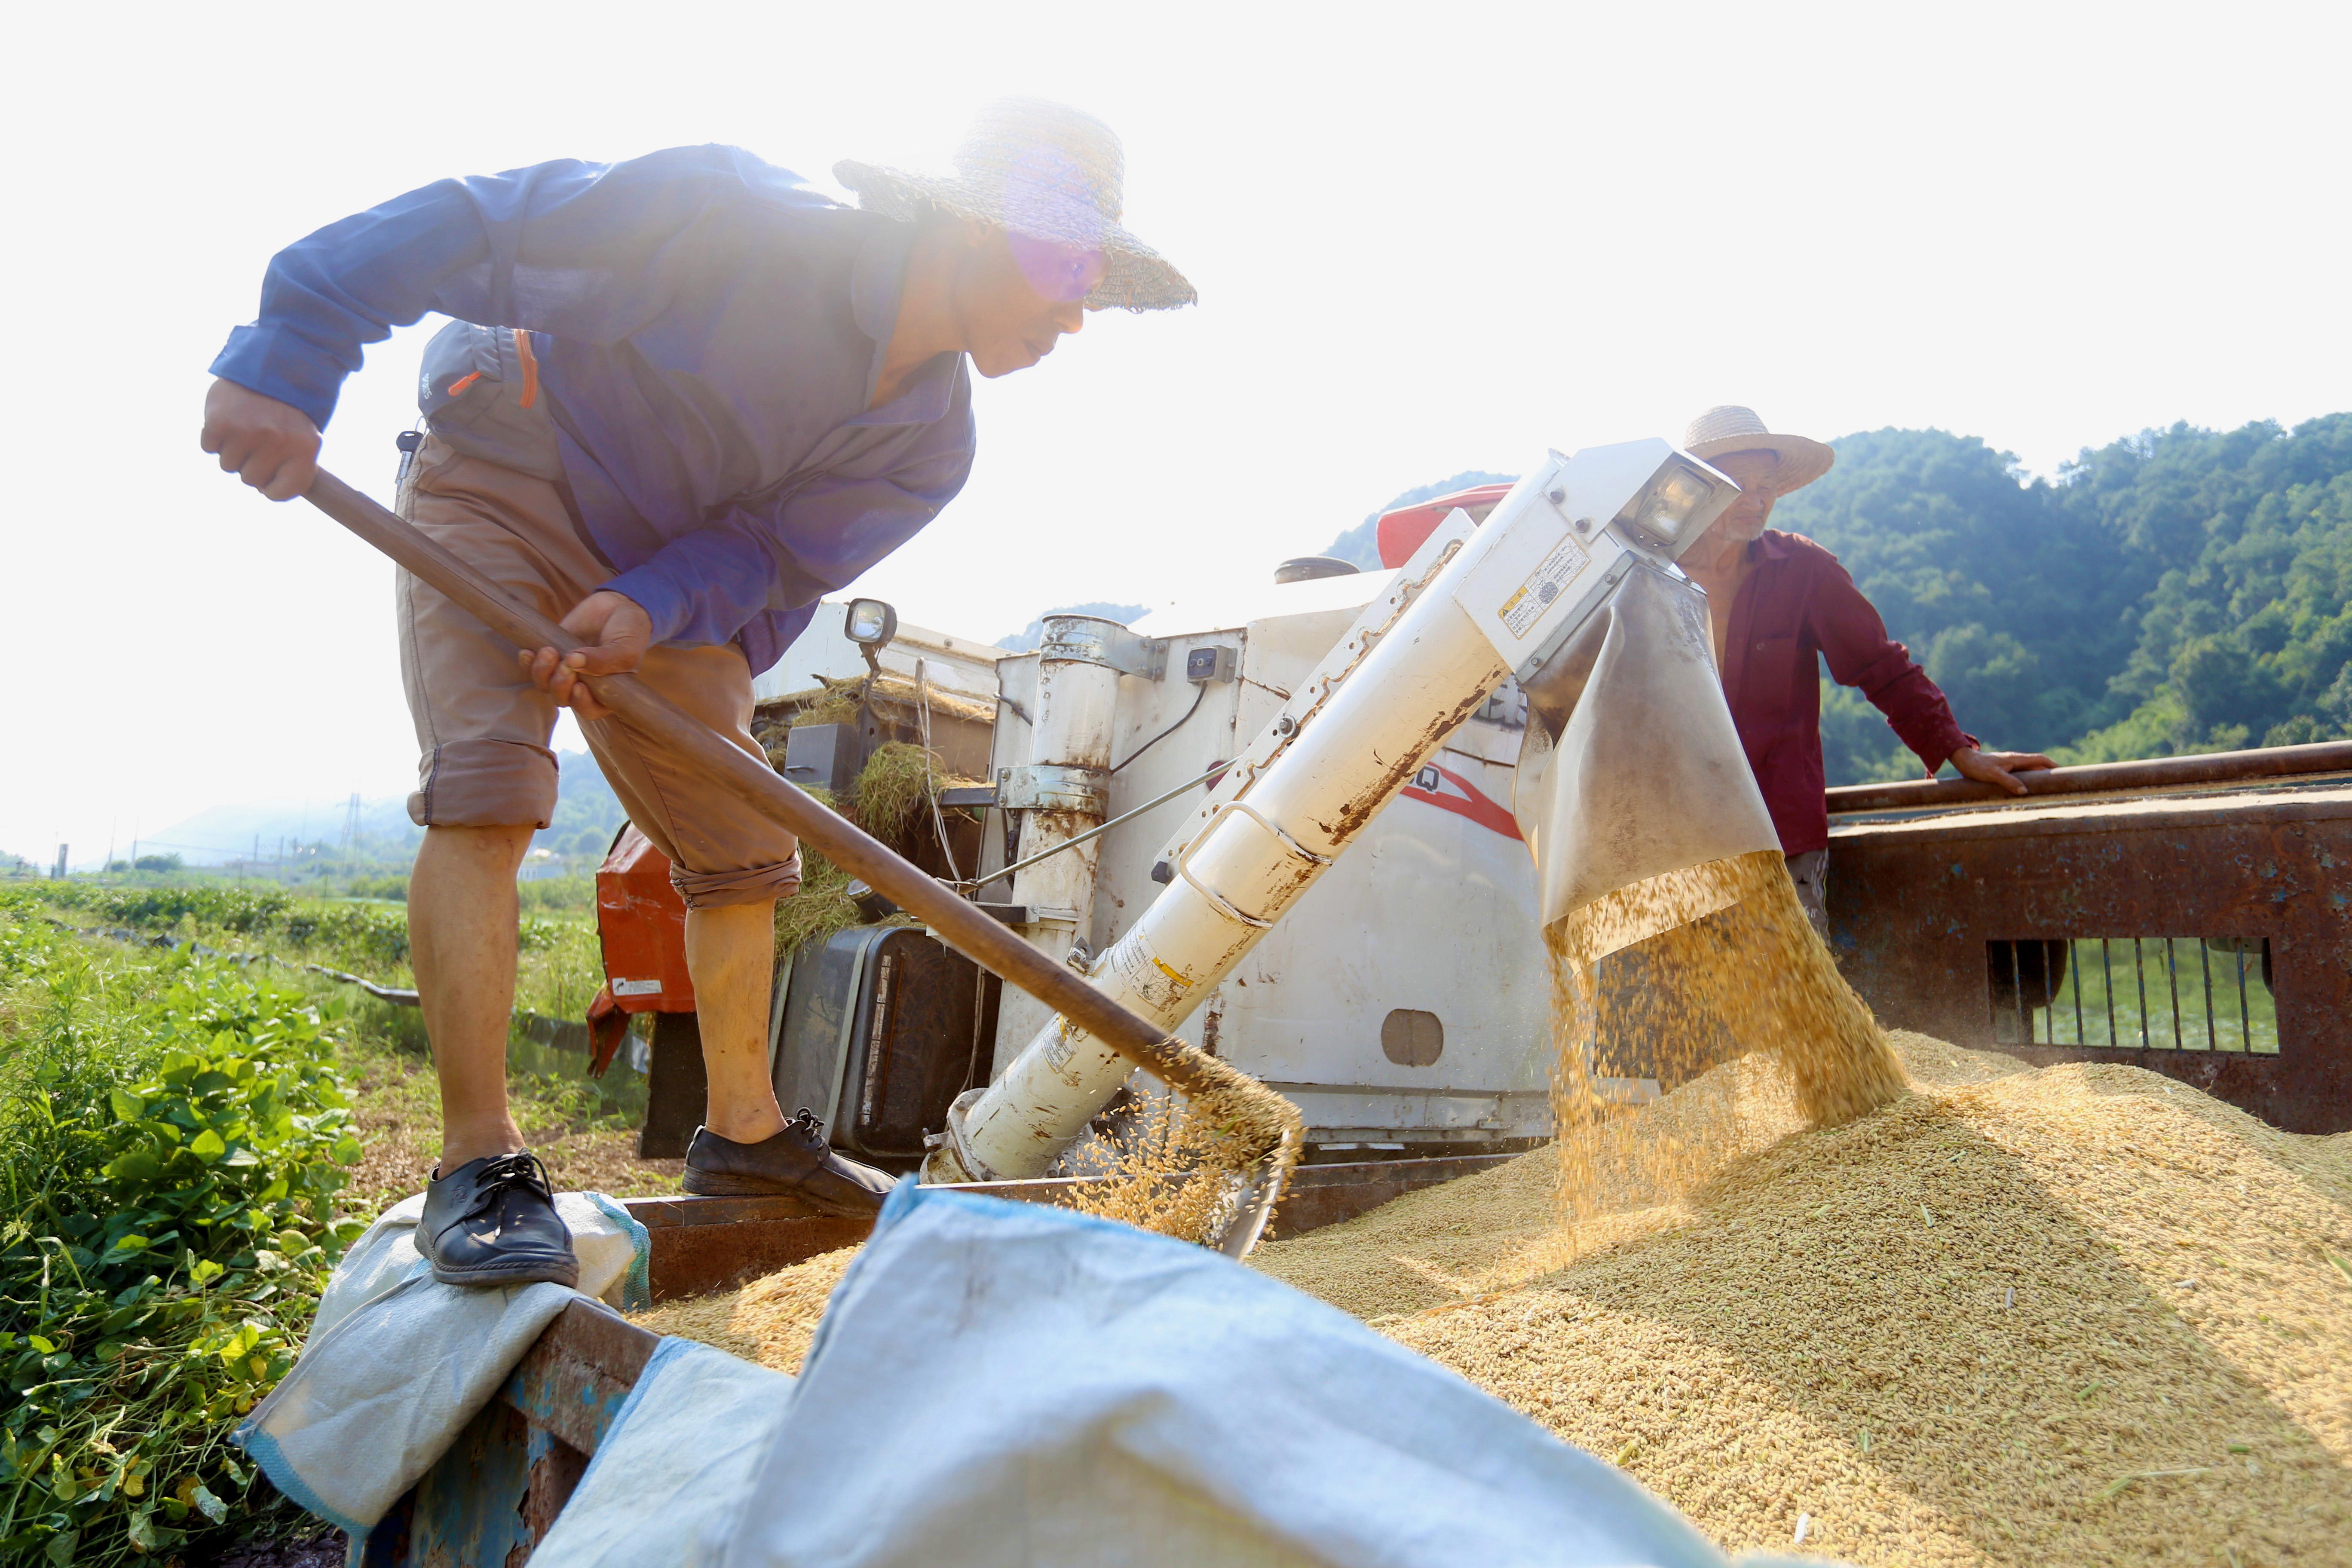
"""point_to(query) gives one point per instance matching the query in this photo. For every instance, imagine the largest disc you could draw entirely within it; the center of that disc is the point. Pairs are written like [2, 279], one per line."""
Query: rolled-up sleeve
[1861, 655]
[580, 249]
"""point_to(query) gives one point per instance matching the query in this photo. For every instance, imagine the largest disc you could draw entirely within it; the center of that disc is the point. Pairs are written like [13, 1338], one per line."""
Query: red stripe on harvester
[1479, 807]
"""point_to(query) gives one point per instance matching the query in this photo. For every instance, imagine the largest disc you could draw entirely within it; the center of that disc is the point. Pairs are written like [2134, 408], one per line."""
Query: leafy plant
[172, 1139]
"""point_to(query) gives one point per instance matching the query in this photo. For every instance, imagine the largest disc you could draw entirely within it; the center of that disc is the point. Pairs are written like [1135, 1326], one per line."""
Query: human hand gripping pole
[1247, 1103]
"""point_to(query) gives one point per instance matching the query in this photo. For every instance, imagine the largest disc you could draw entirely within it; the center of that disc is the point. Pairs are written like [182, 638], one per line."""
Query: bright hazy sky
[1426, 238]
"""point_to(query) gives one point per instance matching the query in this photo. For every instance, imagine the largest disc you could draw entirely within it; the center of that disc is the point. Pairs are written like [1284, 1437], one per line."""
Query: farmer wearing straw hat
[683, 398]
[1779, 602]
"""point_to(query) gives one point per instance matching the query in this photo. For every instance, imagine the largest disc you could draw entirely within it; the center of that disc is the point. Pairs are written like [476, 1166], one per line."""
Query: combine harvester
[1362, 758]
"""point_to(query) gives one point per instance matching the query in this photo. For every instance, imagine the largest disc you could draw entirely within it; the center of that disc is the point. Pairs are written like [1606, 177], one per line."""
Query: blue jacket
[709, 331]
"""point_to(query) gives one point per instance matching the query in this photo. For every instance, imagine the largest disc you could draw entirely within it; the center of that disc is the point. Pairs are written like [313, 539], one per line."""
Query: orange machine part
[641, 922]
[1400, 531]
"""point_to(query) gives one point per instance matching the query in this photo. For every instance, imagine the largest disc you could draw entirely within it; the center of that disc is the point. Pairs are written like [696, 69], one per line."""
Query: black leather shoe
[796, 1163]
[492, 1221]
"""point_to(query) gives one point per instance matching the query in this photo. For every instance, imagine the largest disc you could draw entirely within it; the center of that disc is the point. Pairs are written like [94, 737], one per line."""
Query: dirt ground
[397, 1110]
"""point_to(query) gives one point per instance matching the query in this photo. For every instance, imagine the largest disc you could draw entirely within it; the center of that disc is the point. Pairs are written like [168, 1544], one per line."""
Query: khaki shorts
[482, 727]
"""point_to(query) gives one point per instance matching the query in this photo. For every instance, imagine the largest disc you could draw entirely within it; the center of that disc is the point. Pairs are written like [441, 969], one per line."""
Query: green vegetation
[557, 976]
[2180, 591]
[172, 1135]
[571, 894]
[175, 1130]
[587, 813]
[363, 937]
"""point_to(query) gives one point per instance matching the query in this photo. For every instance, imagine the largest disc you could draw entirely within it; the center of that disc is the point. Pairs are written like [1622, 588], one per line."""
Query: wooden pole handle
[978, 936]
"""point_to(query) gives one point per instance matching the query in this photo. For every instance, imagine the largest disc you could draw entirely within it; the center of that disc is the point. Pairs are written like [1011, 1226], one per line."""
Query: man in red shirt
[1779, 602]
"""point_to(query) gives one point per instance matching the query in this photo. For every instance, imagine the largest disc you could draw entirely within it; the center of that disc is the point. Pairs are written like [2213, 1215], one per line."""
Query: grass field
[193, 1121]
[584, 1128]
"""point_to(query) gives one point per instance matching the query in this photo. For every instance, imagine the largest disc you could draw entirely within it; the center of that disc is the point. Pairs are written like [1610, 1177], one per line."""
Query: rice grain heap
[771, 1320]
[2078, 1315]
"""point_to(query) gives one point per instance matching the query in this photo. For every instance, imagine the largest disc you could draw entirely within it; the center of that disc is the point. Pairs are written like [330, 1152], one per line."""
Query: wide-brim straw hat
[1044, 170]
[1727, 428]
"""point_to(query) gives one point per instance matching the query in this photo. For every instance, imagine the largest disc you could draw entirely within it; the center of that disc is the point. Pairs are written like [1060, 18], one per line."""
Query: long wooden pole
[976, 935]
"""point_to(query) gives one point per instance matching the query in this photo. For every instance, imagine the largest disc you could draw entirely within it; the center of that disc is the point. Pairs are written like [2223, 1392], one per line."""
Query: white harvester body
[1398, 994]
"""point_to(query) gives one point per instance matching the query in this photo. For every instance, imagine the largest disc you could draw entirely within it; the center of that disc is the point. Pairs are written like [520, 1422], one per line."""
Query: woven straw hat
[1727, 427]
[1044, 170]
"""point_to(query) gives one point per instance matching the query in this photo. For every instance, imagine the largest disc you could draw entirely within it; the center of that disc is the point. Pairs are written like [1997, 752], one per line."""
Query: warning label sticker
[1545, 584]
[1160, 986]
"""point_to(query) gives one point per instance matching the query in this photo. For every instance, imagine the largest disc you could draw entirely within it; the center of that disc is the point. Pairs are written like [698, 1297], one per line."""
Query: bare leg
[731, 954]
[462, 917]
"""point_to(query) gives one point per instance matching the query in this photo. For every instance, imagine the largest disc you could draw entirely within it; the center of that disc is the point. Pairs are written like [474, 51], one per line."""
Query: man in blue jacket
[682, 398]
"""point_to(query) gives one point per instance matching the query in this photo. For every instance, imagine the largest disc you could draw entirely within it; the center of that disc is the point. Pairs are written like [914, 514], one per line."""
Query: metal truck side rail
[2155, 774]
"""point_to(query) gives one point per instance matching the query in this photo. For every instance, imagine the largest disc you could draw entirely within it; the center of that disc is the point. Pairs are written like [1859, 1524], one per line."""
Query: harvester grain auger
[1570, 586]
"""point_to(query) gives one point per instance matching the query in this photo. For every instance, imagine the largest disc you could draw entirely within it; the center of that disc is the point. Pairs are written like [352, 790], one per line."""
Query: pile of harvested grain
[769, 1320]
[1749, 977]
[2075, 1315]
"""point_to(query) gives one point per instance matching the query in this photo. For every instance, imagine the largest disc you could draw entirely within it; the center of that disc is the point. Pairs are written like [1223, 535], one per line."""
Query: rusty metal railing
[2216, 768]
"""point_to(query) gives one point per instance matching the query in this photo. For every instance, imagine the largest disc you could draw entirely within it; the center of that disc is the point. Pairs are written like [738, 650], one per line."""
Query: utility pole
[60, 873]
[112, 823]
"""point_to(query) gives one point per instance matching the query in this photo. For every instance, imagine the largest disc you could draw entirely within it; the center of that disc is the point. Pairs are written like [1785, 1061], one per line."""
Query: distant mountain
[273, 829]
[1360, 544]
[1026, 639]
[587, 815]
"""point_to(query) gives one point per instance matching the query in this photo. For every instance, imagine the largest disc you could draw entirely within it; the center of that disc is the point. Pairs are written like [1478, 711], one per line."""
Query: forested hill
[2182, 590]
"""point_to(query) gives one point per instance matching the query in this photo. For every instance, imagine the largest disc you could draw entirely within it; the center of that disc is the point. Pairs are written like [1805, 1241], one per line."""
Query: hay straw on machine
[891, 788]
[831, 702]
[834, 703]
[820, 908]
[884, 802]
